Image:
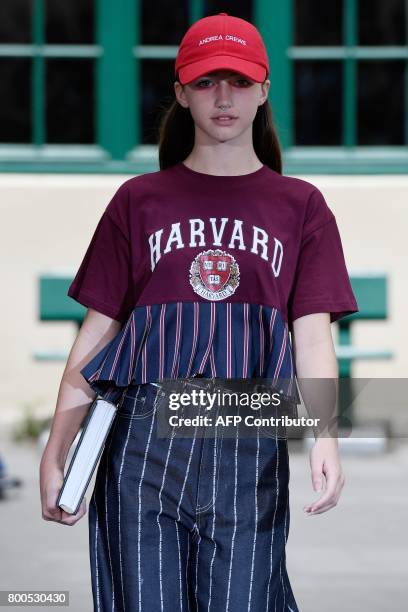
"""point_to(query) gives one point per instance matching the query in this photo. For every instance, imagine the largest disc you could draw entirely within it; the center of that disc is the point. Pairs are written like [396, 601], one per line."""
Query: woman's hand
[51, 479]
[73, 402]
[325, 464]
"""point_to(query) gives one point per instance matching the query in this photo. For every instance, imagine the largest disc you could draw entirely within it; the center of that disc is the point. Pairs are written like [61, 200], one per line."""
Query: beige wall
[47, 222]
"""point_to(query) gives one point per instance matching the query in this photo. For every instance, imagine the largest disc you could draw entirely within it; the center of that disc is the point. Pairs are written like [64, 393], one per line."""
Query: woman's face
[239, 96]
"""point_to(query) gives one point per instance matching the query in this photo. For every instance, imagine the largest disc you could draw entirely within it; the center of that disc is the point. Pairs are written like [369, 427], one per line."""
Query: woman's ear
[180, 94]
[265, 89]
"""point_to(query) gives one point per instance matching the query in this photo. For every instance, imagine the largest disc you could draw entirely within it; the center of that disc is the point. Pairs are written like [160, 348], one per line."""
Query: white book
[88, 450]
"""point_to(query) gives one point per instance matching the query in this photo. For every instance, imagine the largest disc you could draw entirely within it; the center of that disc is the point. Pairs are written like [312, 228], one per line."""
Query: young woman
[201, 270]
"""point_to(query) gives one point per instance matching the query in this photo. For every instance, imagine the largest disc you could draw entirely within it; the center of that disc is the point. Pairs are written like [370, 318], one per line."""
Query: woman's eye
[202, 83]
[199, 83]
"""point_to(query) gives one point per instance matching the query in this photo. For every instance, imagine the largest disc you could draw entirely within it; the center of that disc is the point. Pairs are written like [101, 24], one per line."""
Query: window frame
[278, 33]
[117, 101]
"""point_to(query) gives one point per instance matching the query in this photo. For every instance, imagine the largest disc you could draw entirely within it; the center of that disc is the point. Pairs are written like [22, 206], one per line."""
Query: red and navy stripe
[181, 339]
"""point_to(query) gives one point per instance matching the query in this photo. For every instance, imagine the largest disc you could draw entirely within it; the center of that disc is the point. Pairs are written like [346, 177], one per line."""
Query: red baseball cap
[220, 42]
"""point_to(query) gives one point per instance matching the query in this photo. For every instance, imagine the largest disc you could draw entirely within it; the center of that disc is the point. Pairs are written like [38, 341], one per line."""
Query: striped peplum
[183, 339]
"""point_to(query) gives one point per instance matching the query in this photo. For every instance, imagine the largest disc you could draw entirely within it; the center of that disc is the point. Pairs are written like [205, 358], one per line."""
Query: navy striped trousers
[188, 524]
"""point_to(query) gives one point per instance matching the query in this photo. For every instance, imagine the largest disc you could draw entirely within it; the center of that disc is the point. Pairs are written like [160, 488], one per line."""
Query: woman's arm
[315, 358]
[73, 401]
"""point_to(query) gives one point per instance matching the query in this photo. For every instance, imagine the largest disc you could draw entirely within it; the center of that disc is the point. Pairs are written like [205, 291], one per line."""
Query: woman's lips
[224, 120]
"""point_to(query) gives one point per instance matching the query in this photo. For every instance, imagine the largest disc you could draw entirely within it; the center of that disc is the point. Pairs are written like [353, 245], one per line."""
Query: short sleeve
[321, 281]
[104, 279]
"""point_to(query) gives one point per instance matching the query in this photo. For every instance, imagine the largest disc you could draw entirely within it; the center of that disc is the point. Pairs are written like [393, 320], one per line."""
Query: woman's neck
[214, 164]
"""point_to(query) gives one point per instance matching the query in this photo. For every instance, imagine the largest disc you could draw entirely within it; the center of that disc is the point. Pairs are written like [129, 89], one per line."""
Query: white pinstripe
[196, 585]
[179, 557]
[178, 510]
[213, 524]
[188, 555]
[274, 516]
[119, 480]
[256, 518]
[107, 523]
[140, 504]
[235, 520]
[284, 532]
[280, 576]
[96, 554]
[158, 519]
[107, 539]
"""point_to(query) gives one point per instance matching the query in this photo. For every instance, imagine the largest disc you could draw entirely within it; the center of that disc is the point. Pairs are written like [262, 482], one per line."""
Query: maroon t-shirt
[178, 235]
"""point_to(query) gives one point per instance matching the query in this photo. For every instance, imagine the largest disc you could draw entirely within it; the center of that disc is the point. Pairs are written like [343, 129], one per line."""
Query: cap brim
[193, 71]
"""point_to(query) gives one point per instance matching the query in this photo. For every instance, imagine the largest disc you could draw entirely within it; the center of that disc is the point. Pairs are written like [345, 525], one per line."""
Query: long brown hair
[176, 136]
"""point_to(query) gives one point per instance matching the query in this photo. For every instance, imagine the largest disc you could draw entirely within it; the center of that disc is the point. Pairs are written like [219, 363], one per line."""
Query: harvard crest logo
[214, 274]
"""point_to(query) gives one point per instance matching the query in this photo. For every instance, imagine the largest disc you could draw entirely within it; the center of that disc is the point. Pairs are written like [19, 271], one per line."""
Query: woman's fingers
[51, 511]
[334, 483]
[326, 470]
[51, 480]
[71, 519]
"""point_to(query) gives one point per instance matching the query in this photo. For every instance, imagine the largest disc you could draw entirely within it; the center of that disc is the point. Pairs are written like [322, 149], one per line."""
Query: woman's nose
[223, 93]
